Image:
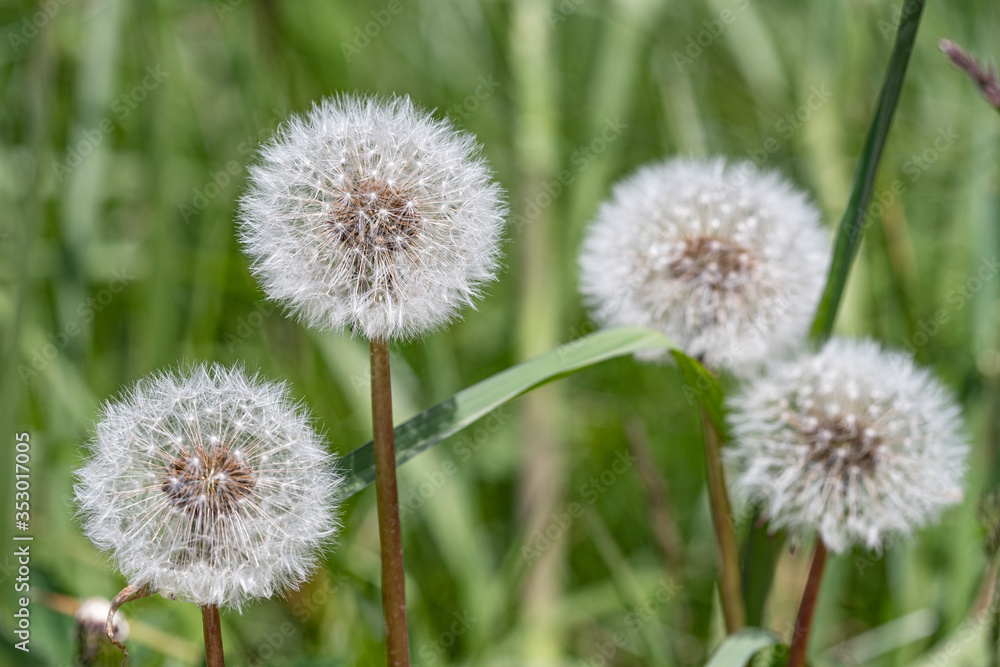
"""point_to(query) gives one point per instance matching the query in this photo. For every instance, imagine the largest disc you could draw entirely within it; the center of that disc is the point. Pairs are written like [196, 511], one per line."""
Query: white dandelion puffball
[370, 214]
[854, 442]
[209, 486]
[725, 260]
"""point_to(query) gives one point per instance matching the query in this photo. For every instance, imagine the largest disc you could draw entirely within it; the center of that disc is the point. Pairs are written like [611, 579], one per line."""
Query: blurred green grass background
[124, 131]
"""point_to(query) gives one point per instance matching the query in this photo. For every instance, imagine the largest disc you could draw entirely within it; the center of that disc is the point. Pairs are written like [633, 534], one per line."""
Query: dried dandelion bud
[370, 214]
[209, 486]
[727, 261]
[854, 442]
[90, 632]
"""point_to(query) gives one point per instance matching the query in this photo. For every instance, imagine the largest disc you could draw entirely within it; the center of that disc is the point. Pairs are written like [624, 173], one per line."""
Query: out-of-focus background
[125, 129]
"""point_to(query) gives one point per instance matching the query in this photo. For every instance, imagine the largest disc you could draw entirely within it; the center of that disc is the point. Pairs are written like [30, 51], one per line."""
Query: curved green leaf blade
[452, 415]
[739, 648]
[855, 221]
[702, 388]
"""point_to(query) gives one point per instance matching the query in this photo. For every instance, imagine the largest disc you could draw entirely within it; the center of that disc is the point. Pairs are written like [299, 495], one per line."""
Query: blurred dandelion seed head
[369, 214]
[854, 442]
[724, 259]
[91, 619]
[209, 486]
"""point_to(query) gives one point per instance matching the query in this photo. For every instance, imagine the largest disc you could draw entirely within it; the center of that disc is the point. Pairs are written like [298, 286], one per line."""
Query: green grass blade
[450, 416]
[854, 222]
[761, 552]
[740, 647]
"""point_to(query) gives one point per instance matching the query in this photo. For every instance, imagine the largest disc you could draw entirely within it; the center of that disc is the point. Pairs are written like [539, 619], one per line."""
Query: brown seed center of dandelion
[840, 441]
[373, 217]
[716, 262]
[202, 482]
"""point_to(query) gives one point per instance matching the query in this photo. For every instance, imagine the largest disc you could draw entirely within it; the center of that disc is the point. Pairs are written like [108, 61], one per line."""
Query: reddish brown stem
[212, 626]
[387, 501]
[803, 622]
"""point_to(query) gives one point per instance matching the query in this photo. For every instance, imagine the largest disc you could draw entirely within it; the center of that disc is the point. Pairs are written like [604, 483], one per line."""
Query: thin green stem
[730, 584]
[213, 636]
[397, 644]
[803, 622]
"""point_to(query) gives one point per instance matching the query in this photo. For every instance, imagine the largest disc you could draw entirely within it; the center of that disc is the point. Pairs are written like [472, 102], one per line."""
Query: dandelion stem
[213, 636]
[387, 500]
[803, 622]
[730, 583]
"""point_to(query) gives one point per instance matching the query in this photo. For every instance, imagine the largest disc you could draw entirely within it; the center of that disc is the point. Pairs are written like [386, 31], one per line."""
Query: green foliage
[453, 414]
[738, 649]
[702, 388]
[125, 129]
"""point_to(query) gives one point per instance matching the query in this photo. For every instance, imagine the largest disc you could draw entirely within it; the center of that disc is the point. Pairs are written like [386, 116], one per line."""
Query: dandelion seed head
[372, 215]
[209, 486]
[878, 457]
[726, 260]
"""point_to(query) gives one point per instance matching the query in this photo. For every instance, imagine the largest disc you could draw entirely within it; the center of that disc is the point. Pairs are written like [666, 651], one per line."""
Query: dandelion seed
[725, 260]
[878, 457]
[210, 487]
[371, 215]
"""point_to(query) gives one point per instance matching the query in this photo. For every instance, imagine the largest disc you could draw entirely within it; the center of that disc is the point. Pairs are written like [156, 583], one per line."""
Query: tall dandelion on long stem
[725, 260]
[371, 215]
